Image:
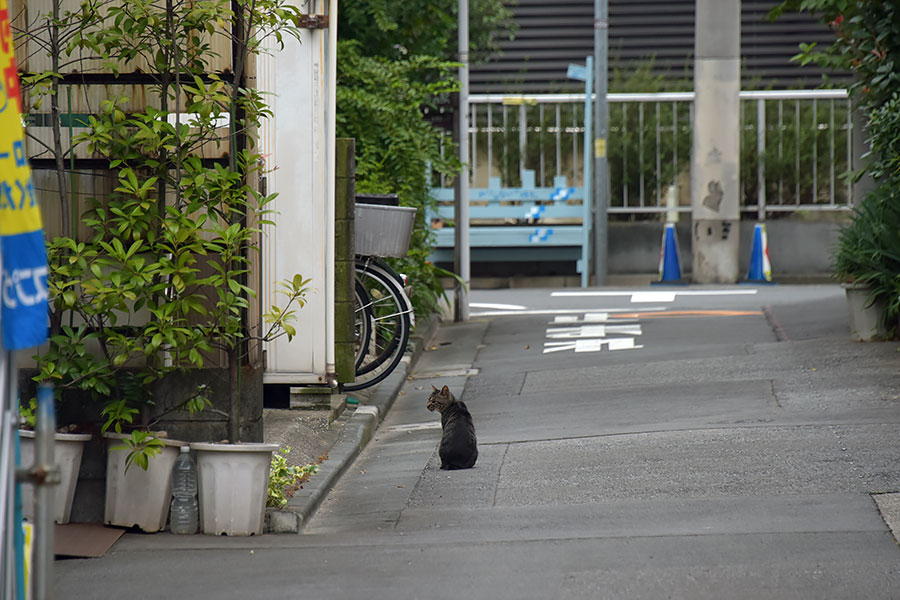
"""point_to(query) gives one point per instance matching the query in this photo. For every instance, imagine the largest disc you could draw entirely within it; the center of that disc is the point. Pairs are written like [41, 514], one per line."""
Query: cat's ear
[434, 388]
[445, 391]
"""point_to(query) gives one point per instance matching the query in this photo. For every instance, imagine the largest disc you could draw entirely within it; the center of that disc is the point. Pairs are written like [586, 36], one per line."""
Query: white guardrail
[795, 145]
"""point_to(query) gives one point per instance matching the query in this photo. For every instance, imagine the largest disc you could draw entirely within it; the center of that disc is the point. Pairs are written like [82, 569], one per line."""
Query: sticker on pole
[23, 280]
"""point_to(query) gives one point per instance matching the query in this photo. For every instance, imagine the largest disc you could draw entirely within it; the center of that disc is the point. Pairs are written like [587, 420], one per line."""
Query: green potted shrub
[867, 261]
[160, 284]
[867, 257]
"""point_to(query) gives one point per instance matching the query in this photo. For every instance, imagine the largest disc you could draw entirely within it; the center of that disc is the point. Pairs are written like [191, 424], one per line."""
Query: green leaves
[159, 283]
[141, 446]
[867, 43]
[380, 103]
[285, 480]
[280, 319]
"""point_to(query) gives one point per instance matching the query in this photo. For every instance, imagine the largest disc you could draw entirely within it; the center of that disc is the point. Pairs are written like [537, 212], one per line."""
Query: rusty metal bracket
[312, 22]
[39, 475]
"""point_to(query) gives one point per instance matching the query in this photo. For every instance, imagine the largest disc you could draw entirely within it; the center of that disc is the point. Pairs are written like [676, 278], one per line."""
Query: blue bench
[515, 224]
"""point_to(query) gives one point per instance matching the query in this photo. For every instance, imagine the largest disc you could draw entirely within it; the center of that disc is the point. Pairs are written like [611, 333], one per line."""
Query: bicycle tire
[389, 333]
[387, 310]
[363, 325]
[386, 304]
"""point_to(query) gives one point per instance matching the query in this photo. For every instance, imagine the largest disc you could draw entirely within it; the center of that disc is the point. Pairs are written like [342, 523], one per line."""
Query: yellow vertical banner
[23, 281]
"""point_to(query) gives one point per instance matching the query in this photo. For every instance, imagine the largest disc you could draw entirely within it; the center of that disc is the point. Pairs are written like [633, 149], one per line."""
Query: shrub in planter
[68, 451]
[161, 281]
[139, 497]
[867, 43]
[868, 252]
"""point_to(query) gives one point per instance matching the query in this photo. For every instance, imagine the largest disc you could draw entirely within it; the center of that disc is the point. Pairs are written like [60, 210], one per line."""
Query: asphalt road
[669, 443]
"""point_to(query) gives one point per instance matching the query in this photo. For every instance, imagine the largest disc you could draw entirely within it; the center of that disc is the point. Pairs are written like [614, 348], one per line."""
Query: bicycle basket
[383, 230]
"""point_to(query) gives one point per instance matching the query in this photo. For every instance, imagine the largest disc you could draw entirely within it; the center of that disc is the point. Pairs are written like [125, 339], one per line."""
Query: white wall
[297, 151]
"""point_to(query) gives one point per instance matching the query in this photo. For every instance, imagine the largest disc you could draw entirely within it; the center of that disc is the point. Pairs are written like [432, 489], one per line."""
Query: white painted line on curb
[368, 410]
[415, 426]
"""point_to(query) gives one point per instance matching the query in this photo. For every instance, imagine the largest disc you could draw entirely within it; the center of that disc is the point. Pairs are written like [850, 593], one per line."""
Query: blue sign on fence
[576, 72]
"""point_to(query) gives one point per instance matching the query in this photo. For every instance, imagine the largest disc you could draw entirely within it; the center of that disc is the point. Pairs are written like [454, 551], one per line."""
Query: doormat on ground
[84, 540]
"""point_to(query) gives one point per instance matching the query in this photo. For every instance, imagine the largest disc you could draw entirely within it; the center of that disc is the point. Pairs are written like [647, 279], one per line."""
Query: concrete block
[281, 521]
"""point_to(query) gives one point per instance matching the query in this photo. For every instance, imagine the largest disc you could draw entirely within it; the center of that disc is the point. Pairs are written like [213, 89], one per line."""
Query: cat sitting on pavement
[459, 448]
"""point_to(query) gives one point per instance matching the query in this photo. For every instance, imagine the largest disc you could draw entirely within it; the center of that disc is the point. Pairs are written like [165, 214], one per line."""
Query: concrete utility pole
[461, 231]
[715, 168]
[601, 120]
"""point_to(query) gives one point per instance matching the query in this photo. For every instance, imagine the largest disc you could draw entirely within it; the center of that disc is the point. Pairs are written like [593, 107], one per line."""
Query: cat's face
[439, 399]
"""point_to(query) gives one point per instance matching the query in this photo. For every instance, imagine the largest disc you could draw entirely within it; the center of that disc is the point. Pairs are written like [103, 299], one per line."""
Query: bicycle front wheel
[383, 320]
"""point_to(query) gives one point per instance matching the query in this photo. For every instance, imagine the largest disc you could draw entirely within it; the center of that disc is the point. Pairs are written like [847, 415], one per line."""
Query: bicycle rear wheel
[363, 325]
[383, 320]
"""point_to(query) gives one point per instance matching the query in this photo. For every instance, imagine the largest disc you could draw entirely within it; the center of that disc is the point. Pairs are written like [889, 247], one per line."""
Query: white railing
[795, 145]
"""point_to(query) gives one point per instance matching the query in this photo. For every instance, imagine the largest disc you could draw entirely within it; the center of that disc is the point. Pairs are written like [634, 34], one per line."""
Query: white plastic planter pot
[233, 480]
[68, 450]
[139, 498]
[865, 316]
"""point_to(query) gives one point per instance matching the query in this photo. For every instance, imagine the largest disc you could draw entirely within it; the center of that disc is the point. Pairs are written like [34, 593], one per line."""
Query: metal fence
[795, 147]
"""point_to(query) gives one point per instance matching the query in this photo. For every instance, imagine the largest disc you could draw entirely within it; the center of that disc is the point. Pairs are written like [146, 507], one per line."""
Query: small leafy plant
[285, 480]
[141, 446]
[26, 413]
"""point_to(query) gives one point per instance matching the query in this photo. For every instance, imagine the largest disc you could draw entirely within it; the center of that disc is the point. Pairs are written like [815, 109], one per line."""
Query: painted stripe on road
[416, 426]
[592, 331]
[591, 345]
[556, 311]
[642, 296]
[496, 306]
[687, 313]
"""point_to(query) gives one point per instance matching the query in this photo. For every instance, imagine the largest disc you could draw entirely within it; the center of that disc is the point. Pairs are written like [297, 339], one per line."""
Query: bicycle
[383, 320]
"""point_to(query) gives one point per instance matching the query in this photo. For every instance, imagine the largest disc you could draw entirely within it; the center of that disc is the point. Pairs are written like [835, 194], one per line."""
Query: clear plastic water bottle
[183, 512]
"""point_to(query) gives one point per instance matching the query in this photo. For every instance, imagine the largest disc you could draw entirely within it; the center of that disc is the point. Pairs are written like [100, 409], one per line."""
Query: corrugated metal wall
[553, 34]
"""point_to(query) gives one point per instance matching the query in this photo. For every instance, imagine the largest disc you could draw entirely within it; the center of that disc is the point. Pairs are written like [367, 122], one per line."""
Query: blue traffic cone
[669, 264]
[760, 267]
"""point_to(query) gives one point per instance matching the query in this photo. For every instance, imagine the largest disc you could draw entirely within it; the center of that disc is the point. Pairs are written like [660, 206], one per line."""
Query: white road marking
[592, 331]
[558, 311]
[588, 318]
[591, 345]
[496, 306]
[416, 426]
[652, 296]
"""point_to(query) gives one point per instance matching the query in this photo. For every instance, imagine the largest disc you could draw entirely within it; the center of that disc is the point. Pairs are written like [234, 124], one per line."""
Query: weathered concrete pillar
[715, 168]
[344, 271]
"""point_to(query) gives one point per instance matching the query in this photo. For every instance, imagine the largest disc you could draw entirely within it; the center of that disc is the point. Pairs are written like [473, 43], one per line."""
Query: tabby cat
[459, 448]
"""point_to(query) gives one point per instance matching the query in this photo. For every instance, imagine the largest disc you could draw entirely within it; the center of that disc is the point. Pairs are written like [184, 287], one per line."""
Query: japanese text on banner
[23, 285]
